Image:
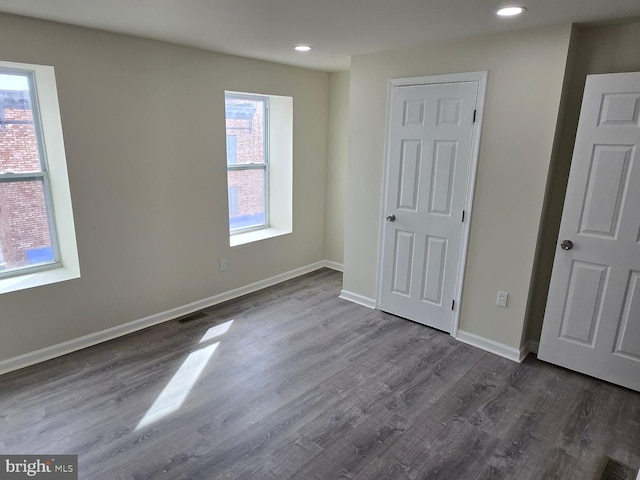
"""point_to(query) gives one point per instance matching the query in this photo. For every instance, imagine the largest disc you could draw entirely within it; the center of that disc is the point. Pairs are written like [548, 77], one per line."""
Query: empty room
[320, 240]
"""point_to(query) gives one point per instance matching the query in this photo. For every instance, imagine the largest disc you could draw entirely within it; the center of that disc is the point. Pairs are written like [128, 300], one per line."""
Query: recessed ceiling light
[302, 48]
[510, 11]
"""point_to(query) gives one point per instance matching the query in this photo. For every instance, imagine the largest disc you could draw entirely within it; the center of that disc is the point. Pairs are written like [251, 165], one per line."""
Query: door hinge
[474, 116]
[453, 304]
[462, 216]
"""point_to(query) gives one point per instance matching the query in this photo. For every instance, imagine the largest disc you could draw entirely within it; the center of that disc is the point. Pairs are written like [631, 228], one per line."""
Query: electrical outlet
[222, 265]
[501, 301]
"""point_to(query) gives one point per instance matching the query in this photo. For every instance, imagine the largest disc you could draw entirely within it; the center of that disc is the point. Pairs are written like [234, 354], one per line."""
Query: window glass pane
[25, 235]
[18, 141]
[233, 201]
[247, 199]
[245, 120]
[232, 149]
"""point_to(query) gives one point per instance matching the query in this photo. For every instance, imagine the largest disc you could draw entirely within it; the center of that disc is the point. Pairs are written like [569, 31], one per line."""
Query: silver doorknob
[391, 218]
[566, 245]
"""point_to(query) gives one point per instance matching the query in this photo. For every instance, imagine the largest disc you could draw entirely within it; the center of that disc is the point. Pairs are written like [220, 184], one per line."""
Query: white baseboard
[534, 346]
[333, 265]
[75, 344]
[515, 354]
[357, 298]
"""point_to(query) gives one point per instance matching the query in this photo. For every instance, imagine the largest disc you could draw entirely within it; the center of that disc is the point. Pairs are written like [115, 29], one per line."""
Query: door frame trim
[480, 78]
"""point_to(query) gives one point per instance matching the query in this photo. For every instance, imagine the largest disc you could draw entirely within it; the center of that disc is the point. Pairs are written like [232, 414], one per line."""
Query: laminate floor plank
[383, 470]
[286, 460]
[489, 472]
[458, 453]
[347, 456]
[292, 382]
[235, 455]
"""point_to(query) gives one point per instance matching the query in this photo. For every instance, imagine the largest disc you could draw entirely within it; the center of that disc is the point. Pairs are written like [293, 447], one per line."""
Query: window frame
[41, 176]
[66, 266]
[231, 167]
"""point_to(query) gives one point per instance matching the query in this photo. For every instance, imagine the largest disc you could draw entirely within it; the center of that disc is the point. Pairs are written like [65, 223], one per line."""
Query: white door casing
[432, 149]
[592, 318]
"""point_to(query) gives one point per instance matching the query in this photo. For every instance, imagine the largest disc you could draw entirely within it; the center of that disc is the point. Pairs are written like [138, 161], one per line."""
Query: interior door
[592, 320]
[430, 143]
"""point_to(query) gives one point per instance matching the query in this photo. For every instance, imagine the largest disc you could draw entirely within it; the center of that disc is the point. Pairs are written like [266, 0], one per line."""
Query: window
[26, 234]
[247, 160]
[33, 178]
[259, 132]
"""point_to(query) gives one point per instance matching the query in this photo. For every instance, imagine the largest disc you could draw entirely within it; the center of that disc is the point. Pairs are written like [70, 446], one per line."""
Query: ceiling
[338, 29]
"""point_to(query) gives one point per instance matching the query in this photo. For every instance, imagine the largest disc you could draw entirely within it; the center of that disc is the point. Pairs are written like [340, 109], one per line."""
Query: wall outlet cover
[502, 299]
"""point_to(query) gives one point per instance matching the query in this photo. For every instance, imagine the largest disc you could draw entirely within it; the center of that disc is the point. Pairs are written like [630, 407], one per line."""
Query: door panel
[584, 297]
[409, 174]
[606, 189]
[434, 269]
[413, 113]
[628, 337]
[443, 171]
[592, 320]
[449, 112]
[430, 142]
[620, 109]
[403, 263]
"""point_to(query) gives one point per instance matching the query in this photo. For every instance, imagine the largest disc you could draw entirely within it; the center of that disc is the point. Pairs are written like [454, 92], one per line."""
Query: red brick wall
[18, 147]
[23, 215]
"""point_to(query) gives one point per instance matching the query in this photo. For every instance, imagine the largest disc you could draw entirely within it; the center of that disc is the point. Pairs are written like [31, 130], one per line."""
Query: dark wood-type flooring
[304, 385]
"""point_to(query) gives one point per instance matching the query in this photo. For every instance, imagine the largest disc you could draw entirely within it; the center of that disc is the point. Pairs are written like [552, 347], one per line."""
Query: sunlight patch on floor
[216, 331]
[177, 390]
[179, 387]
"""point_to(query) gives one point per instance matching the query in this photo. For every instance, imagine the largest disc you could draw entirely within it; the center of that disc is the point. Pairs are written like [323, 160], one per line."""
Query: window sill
[37, 279]
[256, 236]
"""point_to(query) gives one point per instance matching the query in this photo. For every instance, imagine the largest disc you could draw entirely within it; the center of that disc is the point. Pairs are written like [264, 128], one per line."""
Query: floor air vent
[614, 470]
[191, 317]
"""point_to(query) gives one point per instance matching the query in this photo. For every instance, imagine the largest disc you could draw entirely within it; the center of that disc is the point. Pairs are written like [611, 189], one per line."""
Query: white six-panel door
[430, 143]
[592, 320]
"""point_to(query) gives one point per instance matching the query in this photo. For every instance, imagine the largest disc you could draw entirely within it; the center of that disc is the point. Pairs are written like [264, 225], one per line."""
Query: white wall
[145, 141]
[337, 165]
[526, 71]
